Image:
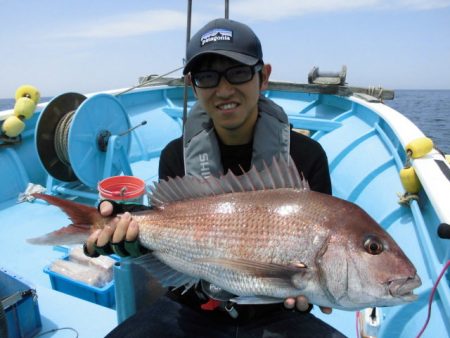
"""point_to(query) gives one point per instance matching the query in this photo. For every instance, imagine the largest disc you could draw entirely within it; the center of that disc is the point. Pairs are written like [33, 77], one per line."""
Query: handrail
[364, 93]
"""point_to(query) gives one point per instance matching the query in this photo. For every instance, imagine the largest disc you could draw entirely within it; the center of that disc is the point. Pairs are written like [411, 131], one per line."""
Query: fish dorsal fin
[279, 174]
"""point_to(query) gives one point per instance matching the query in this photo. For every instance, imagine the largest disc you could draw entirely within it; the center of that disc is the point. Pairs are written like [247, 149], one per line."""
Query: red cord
[433, 291]
[357, 324]
[430, 302]
[211, 305]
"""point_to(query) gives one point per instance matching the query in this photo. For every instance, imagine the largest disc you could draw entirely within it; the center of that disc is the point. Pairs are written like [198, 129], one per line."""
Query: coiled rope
[61, 137]
[153, 79]
[61, 140]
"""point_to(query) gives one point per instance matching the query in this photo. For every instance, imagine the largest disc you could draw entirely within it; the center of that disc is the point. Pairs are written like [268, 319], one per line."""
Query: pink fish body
[264, 236]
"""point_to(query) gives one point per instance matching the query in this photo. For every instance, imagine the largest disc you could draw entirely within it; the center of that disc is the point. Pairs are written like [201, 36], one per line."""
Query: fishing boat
[378, 159]
[69, 145]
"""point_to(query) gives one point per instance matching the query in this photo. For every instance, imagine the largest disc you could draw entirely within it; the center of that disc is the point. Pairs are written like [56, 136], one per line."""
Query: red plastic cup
[123, 189]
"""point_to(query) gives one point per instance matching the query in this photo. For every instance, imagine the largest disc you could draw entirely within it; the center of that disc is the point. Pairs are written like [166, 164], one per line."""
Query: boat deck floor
[27, 261]
[27, 220]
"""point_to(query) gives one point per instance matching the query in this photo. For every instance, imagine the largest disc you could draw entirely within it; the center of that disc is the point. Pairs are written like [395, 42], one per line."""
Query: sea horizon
[429, 111]
[400, 89]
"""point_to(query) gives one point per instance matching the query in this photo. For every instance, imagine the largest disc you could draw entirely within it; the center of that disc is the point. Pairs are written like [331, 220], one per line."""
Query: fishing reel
[84, 139]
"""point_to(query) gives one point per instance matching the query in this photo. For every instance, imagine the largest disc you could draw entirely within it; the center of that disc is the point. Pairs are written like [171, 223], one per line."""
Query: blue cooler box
[19, 310]
[104, 296]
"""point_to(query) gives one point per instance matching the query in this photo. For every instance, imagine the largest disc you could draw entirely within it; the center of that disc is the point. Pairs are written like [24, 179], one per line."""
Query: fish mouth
[403, 287]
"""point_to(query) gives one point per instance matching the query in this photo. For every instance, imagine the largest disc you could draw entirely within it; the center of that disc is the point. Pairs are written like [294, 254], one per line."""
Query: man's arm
[123, 229]
[171, 163]
[311, 161]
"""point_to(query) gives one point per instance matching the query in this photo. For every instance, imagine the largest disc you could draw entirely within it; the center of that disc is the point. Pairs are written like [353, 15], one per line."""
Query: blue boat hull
[365, 153]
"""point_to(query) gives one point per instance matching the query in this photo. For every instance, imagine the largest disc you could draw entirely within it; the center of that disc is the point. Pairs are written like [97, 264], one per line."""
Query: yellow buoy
[409, 180]
[13, 126]
[419, 147]
[24, 107]
[28, 91]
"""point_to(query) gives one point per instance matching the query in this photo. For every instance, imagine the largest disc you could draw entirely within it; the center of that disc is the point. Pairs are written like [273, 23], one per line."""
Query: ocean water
[428, 109]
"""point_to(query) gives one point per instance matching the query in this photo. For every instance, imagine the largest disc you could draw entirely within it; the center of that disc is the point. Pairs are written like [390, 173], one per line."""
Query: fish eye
[373, 245]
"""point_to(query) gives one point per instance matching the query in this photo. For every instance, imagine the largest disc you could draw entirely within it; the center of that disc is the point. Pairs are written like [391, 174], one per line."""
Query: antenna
[227, 9]
[188, 38]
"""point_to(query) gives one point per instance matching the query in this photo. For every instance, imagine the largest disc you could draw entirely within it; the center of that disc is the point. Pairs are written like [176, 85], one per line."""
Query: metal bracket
[327, 78]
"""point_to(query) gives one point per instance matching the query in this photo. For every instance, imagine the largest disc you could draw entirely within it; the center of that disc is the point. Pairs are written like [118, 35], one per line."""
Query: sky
[88, 46]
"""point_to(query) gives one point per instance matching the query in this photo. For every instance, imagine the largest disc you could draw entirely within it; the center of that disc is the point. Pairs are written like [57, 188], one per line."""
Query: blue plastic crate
[104, 296]
[21, 317]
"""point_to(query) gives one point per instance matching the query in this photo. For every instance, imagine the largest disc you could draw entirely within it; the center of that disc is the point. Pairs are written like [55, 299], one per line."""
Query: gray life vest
[201, 148]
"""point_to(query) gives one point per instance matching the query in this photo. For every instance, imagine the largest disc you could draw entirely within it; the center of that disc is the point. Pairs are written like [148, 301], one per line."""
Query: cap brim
[241, 58]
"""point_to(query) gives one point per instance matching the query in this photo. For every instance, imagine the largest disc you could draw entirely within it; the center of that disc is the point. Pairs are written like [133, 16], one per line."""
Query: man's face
[233, 108]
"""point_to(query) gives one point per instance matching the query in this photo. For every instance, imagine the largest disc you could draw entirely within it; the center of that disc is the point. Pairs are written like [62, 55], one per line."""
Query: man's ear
[265, 74]
[188, 79]
[188, 82]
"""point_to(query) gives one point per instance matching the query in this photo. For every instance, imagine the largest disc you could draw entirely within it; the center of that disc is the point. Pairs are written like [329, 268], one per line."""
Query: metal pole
[227, 9]
[189, 17]
[188, 38]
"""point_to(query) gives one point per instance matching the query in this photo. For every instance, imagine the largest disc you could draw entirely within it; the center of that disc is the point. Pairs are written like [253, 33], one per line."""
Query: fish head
[362, 266]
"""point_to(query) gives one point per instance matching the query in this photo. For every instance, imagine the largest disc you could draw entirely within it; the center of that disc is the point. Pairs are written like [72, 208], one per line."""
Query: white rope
[149, 81]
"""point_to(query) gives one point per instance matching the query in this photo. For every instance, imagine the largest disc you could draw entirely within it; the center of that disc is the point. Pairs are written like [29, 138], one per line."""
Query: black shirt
[310, 160]
[308, 155]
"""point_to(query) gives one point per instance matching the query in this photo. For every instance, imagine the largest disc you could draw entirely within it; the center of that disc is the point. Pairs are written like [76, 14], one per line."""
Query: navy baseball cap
[225, 37]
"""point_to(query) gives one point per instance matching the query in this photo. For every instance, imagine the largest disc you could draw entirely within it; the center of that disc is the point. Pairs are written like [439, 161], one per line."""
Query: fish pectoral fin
[164, 273]
[258, 269]
[247, 300]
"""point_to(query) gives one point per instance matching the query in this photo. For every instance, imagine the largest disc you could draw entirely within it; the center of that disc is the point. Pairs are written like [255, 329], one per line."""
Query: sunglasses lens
[234, 75]
[206, 79]
[237, 75]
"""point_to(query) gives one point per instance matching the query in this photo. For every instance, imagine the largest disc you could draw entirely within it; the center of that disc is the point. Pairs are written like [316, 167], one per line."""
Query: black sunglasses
[234, 75]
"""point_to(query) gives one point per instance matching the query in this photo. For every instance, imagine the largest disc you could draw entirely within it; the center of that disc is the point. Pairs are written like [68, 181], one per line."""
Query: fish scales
[263, 226]
[259, 237]
[234, 225]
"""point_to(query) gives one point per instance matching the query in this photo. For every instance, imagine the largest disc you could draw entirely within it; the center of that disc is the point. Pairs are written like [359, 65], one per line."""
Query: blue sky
[86, 46]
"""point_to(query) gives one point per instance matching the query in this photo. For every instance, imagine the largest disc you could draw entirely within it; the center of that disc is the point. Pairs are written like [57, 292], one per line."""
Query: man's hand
[123, 227]
[301, 303]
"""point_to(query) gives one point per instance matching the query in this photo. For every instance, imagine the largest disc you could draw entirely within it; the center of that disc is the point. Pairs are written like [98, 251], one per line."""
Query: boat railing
[371, 94]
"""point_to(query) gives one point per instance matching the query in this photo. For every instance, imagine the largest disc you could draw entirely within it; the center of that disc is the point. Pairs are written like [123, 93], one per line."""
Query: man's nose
[224, 88]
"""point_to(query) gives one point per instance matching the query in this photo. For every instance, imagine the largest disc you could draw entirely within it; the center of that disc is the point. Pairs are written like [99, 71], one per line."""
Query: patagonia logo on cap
[217, 34]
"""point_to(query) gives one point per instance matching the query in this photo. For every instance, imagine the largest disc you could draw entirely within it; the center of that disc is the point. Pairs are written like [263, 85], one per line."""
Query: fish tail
[85, 220]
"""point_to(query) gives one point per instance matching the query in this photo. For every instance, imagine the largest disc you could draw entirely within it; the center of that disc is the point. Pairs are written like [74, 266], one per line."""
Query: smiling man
[231, 127]
[229, 93]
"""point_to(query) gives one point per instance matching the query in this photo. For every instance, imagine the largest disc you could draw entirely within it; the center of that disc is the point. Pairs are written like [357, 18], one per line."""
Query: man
[231, 127]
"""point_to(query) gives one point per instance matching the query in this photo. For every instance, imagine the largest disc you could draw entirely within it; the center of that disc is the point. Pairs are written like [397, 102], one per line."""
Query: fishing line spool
[79, 138]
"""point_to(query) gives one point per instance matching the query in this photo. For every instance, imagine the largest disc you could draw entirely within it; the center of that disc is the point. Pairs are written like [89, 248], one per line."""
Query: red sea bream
[262, 236]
